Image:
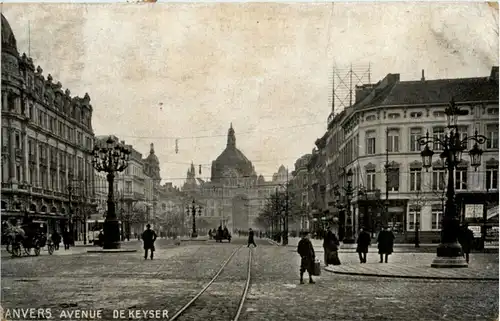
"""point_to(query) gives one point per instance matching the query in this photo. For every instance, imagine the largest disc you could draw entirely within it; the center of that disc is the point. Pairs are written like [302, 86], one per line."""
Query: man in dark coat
[250, 238]
[364, 241]
[149, 238]
[330, 246]
[56, 239]
[307, 257]
[466, 238]
[385, 244]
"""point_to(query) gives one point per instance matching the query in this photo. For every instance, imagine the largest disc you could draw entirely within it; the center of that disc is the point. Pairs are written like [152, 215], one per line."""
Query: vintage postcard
[250, 161]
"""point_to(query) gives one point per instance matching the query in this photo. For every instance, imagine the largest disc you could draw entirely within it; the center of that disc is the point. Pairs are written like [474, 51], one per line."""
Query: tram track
[216, 297]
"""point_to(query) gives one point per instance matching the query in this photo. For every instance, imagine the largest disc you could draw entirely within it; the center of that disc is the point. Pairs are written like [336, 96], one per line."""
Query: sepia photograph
[248, 161]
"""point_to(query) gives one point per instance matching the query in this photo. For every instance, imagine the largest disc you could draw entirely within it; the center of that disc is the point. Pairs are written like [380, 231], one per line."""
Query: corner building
[381, 130]
[47, 140]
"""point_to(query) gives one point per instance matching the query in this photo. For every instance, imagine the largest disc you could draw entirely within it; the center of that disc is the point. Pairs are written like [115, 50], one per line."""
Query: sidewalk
[482, 267]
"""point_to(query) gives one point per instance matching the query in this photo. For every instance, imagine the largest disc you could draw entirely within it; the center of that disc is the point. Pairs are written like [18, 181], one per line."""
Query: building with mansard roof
[235, 194]
[380, 130]
[47, 140]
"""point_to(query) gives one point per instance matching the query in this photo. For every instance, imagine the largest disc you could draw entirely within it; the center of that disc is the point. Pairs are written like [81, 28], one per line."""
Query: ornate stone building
[47, 139]
[381, 130]
[235, 194]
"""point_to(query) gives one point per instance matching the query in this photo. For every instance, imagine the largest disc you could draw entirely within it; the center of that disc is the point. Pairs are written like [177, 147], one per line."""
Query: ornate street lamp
[110, 157]
[349, 238]
[192, 210]
[449, 252]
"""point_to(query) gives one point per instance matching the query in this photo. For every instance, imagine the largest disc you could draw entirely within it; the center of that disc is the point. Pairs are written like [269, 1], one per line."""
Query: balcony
[37, 190]
[6, 185]
[59, 194]
[48, 192]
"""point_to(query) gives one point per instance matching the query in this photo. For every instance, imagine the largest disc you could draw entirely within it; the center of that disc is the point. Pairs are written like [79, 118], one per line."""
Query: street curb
[413, 276]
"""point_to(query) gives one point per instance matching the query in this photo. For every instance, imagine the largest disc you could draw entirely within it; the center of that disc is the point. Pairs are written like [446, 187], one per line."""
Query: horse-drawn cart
[222, 235]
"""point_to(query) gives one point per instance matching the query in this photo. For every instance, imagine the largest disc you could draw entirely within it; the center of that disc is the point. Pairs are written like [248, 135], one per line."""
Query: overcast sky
[156, 72]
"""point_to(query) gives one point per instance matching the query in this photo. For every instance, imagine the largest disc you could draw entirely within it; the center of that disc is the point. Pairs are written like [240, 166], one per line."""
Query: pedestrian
[466, 238]
[100, 238]
[330, 246]
[149, 238]
[66, 239]
[307, 257]
[250, 238]
[364, 240]
[56, 239]
[385, 244]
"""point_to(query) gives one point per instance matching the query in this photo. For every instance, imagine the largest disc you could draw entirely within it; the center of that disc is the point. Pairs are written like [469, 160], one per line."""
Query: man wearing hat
[149, 238]
[307, 257]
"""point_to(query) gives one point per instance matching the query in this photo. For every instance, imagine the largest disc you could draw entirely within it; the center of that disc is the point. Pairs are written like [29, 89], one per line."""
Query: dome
[9, 43]
[231, 161]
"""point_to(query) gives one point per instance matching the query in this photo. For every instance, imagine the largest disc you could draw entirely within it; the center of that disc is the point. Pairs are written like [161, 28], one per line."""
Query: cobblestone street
[127, 281]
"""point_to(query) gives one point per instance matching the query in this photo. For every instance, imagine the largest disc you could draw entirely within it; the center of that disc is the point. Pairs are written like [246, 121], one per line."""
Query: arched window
[44, 209]
[53, 210]
[4, 205]
[32, 208]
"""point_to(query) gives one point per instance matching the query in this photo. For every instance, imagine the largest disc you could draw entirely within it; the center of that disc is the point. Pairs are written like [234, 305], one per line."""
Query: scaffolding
[344, 81]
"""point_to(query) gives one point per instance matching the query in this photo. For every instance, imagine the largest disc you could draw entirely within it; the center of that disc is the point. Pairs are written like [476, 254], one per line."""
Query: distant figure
[56, 239]
[149, 237]
[364, 240]
[466, 238]
[210, 233]
[307, 257]
[385, 244]
[330, 246]
[250, 238]
[100, 238]
[66, 239]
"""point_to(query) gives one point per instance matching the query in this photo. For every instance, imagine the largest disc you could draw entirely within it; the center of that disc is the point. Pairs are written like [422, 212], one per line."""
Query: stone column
[12, 155]
[49, 178]
[37, 158]
[5, 100]
[58, 183]
[26, 159]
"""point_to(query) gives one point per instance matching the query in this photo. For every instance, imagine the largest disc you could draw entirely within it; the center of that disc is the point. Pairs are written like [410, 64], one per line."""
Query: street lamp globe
[475, 156]
[349, 175]
[427, 157]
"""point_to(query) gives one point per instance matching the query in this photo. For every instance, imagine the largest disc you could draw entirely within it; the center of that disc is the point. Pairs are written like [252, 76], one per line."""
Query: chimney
[423, 76]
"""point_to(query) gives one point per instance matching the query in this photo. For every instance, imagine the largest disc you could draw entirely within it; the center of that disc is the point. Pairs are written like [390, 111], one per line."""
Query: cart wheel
[51, 249]
[37, 251]
[9, 247]
[27, 250]
[16, 251]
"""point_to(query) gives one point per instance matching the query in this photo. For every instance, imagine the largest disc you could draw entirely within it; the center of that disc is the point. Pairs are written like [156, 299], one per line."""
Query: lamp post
[192, 210]
[349, 238]
[449, 251]
[110, 157]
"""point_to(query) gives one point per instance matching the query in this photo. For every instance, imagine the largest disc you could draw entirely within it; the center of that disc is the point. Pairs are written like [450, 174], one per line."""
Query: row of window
[59, 128]
[393, 143]
[419, 114]
[438, 180]
[414, 218]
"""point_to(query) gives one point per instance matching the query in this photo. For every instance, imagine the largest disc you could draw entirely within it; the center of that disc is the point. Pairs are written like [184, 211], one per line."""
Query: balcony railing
[48, 192]
[6, 185]
[37, 190]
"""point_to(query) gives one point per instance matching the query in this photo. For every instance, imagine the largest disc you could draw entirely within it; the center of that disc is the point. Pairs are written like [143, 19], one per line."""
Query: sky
[157, 73]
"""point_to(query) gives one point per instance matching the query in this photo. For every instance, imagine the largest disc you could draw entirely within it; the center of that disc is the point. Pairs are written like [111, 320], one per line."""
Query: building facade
[377, 138]
[47, 141]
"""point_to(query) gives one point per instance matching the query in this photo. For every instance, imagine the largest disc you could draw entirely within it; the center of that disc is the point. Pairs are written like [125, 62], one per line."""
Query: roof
[9, 43]
[439, 91]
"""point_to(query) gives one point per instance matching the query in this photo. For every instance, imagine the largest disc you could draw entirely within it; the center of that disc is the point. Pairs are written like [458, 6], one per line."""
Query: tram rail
[184, 310]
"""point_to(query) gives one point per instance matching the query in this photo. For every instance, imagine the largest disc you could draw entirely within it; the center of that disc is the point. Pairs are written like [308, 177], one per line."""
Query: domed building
[235, 194]
[47, 138]
[231, 163]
